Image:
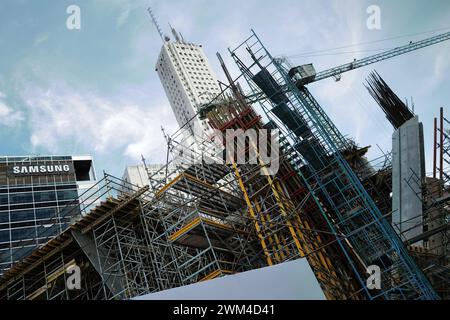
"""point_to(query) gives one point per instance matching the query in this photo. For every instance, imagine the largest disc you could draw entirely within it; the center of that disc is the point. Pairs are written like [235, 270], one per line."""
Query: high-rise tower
[187, 78]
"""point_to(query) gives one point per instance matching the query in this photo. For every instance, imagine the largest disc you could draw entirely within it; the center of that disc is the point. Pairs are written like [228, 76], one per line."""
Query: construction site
[213, 216]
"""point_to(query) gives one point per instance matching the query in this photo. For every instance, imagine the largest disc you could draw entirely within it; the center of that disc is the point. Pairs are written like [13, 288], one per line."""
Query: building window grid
[194, 67]
[16, 244]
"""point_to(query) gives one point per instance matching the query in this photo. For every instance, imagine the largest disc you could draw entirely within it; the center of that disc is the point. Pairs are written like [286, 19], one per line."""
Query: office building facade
[39, 197]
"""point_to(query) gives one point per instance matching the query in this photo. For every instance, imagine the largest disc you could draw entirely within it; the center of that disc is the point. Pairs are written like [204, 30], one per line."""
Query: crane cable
[327, 51]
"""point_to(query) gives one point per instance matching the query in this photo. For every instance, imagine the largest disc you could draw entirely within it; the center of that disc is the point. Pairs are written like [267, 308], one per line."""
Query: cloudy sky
[95, 90]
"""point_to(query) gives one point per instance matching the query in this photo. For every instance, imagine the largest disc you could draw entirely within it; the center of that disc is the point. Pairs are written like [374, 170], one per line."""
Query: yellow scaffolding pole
[253, 215]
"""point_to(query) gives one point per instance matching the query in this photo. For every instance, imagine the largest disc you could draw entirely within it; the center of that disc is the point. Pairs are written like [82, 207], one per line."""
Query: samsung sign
[47, 169]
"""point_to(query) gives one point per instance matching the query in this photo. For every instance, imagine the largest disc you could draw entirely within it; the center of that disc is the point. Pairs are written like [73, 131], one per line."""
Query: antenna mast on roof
[175, 33]
[158, 28]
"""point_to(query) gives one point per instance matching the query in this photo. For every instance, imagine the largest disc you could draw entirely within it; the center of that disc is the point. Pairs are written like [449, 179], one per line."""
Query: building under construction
[207, 215]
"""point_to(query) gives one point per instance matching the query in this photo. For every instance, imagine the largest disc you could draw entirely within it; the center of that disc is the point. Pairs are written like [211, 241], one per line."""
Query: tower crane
[306, 74]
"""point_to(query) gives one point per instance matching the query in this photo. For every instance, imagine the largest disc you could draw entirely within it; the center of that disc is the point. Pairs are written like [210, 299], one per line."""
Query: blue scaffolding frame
[364, 235]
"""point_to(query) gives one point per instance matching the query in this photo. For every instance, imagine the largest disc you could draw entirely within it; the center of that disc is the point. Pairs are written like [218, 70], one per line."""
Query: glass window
[22, 215]
[45, 213]
[23, 234]
[4, 236]
[5, 255]
[16, 198]
[45, 196]
[4, 216]
[3, 199]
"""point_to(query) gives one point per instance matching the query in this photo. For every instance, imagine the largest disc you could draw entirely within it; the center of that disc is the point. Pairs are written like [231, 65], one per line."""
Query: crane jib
[412, 46]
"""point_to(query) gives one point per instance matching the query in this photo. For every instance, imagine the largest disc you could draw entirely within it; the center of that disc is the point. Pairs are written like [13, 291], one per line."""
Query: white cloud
[123, 17]
[441, 65]
[8, 116]
[62, 118]
[41, 38]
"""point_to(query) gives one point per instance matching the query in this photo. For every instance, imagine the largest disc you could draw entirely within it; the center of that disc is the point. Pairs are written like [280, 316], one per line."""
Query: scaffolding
[196, 231]
[135, 241]
[279, 205]
[205, 215]
[107, 244]
[364, 235]
[213, 218]
[441, 148]
[431, 247]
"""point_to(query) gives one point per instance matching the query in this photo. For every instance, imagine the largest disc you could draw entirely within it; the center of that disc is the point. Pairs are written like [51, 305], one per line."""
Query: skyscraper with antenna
[186, 76]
